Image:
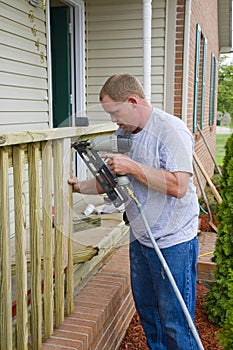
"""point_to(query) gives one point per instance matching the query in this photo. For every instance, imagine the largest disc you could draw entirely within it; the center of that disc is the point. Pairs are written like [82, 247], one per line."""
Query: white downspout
[186, 60]
[147, 23]
[49, 65]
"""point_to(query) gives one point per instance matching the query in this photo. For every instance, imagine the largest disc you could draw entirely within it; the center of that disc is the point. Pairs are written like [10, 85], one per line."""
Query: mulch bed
[135, 338]
[205, 226]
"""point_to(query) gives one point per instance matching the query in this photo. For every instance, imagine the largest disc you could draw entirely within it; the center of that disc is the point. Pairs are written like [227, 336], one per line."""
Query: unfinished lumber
[86, 222]
[80, 255]
[5, 276]
[47, 237]
[209, 150]
[20, 249]
[204, 196]
[58, 227]
[68, 224]
[209, 181]
[34, 218]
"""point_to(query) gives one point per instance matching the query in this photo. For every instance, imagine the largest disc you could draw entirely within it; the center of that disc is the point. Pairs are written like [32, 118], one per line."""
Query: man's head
[122, 96]
[119, 87]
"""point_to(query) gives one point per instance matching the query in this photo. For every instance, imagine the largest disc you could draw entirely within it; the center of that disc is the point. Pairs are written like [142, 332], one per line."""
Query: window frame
[212, 100]
[199, 78]
[196, 76]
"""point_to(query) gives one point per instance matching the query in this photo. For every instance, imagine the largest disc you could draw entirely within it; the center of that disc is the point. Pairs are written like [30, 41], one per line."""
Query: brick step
[205, 271]
[102, 311]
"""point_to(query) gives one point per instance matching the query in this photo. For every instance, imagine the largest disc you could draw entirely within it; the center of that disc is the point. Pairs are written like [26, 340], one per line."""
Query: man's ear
[132, 99]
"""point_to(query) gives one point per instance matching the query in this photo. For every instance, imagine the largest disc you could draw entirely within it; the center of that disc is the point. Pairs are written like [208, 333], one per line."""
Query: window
[203, 81]
[212, 90]
[199, 80]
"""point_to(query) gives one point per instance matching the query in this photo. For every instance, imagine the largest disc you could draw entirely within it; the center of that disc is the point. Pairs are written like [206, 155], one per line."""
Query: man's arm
[172, 183]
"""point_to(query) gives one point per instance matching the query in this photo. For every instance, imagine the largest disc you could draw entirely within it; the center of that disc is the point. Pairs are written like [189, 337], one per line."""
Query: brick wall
[205, 14]
[179, 52]
[205, 271]
[102, 312]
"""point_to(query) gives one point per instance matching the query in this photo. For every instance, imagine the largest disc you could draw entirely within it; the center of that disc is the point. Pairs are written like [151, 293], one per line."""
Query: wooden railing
[36, 165]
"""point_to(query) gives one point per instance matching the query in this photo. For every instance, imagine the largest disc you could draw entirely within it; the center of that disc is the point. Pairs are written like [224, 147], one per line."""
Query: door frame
[78, 84]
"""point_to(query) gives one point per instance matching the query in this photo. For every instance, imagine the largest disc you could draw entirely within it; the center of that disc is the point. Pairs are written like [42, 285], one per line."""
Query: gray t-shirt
[164, 143]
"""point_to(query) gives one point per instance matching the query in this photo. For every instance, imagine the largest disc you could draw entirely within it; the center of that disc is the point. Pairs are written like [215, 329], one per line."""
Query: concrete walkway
[223, 130]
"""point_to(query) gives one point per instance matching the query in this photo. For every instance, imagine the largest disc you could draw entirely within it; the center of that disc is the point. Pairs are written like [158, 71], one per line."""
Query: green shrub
[219, 304]
[226, 334]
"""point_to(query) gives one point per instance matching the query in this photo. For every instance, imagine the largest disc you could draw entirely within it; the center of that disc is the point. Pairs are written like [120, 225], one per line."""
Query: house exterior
[55, 56]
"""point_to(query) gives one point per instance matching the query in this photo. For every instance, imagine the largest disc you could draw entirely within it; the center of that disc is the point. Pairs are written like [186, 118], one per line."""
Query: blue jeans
[161, 315]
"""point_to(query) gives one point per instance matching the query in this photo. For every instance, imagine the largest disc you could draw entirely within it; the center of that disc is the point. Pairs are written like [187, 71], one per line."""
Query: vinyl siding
[158, 52]
[23, 76]
[115, 45]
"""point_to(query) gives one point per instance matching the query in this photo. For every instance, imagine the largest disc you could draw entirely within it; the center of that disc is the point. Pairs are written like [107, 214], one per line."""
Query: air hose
[202, 209]
[106, 180]
[167, 270]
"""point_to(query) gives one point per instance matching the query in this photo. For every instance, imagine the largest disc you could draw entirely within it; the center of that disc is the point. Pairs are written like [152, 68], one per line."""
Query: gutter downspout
[49, 98]
[186, 60]
[147, 23]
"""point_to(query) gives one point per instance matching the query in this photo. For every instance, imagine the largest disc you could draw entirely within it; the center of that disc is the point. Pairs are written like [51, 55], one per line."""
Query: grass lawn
[221, 140]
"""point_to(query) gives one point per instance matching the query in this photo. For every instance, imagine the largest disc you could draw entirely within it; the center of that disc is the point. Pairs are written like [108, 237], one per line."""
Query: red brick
[102, 310]
[206, 266]
[73, 344]
[58, 347]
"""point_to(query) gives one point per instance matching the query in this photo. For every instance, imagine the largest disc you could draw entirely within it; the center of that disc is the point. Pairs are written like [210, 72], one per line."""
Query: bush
[219, 304]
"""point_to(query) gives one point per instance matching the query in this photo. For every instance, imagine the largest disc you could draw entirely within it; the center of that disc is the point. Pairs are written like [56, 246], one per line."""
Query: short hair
[120, 86]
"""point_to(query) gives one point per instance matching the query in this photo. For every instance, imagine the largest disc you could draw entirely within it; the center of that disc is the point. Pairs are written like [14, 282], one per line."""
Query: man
[159, 167]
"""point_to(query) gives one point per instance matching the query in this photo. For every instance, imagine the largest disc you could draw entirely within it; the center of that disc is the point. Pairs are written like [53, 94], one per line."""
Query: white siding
[158, 52]
[23, 75]
[114, 40]
[115, 45]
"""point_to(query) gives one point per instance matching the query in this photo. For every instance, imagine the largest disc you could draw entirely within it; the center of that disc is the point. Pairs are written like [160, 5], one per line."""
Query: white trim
[72, 67]
[79, 71]
[49, 60]
[80, 60]
[186, 60]
[78, 3]
[147, 23]
[169, 71]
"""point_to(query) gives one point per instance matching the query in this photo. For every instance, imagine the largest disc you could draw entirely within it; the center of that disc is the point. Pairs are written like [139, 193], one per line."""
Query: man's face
[122, 113]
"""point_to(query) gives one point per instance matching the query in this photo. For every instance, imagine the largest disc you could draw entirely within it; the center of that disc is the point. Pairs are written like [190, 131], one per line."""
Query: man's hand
[118, 163]
[89, 186]
[75, 184]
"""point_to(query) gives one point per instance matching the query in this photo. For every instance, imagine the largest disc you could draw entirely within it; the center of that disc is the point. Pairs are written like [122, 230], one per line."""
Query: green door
[60, 66]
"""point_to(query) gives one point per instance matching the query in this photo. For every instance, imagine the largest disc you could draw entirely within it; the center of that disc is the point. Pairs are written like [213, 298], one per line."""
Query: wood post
[47, 237]
[58, 226]
[35, 248]
[20, 248]
[5, 274]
